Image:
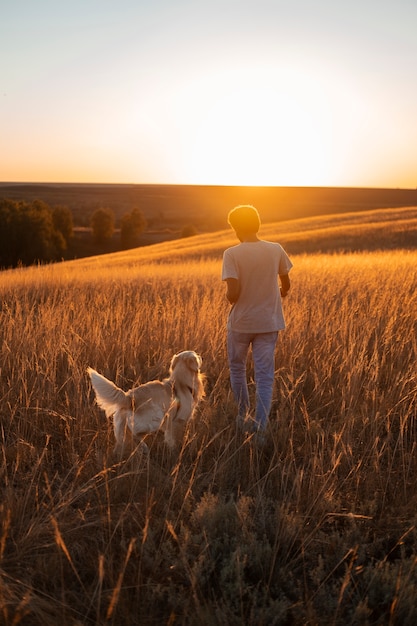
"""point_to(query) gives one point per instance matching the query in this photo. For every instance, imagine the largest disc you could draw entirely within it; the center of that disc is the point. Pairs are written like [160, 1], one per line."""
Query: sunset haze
[214, 93]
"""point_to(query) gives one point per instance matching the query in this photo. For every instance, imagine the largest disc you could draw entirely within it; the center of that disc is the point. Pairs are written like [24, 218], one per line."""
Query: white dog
[157, 405]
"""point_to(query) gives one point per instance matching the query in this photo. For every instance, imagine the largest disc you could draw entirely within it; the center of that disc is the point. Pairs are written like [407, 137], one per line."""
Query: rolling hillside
[383, 229]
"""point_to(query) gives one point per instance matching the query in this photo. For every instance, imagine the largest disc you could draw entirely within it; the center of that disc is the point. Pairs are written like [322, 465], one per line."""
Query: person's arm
[285, 284]
[232, 290]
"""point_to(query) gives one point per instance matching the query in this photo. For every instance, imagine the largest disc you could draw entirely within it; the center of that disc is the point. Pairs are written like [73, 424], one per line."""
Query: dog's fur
[157, 405]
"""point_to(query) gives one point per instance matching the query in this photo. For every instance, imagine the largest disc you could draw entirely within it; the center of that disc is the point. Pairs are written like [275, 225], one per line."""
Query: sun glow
[258, 129]
[253, 141]
[209, 93]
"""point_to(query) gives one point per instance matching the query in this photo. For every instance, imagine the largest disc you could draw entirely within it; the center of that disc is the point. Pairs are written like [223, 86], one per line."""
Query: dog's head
[189, 358]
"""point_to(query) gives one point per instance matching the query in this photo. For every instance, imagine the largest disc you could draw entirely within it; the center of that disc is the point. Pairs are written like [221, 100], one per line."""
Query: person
[252, 271]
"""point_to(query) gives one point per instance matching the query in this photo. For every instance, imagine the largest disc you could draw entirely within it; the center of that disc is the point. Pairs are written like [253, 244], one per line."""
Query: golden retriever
[165, 405]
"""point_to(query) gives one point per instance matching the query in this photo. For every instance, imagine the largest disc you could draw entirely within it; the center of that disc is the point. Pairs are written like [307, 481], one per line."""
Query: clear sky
[258, 92]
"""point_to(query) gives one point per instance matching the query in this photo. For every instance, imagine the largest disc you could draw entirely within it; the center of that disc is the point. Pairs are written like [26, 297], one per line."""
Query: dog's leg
[174, 431]
[143, 448]
[168, 426]
[175, 435]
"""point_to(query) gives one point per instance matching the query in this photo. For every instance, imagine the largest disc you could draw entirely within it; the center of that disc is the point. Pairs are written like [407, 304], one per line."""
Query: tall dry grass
[318, 527]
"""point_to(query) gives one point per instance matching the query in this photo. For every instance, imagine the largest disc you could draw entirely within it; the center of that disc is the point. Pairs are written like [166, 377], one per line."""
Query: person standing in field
[251, 271]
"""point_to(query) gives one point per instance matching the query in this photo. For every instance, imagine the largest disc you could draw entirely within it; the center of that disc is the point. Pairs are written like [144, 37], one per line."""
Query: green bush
[63, 222]
[29, 233]
[102, 224]
[132, 226]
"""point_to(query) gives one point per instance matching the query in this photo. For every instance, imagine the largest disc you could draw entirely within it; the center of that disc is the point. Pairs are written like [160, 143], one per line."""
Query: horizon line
[102, 184]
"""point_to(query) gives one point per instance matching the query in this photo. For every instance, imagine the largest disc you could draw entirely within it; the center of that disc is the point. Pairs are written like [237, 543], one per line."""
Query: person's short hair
[244, 218]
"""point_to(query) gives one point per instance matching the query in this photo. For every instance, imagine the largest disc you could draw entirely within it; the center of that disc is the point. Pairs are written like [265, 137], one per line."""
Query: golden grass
[318, 527]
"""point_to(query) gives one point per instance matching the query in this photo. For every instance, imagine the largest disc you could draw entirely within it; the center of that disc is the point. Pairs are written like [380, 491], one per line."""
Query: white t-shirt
[256, 265]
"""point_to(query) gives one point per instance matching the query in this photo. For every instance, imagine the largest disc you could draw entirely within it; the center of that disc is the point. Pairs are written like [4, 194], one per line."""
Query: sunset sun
[257, 128]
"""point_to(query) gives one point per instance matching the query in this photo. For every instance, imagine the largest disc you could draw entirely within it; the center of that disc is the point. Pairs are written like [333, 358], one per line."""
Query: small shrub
[102, 224]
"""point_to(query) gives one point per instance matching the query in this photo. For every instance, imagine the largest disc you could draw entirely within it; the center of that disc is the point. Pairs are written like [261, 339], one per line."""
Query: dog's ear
[174, 361]
[194, 362]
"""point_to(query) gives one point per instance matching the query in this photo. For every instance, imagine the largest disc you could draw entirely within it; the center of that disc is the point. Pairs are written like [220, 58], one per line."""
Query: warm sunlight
[261, 126]
[255, 138]
[210, 93]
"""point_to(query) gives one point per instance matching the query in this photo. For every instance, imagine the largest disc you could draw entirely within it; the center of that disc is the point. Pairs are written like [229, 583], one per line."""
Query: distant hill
[384, 229]
[206, 207]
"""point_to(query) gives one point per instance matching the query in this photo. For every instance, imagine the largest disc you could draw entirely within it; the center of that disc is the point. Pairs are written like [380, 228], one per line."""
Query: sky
[209, 92]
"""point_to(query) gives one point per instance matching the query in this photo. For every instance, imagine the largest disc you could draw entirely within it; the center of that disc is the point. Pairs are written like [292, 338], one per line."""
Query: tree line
[34, 232]
[132, 226]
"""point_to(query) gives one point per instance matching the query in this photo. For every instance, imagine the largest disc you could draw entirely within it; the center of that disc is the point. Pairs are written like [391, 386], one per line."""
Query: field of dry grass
[318, 527]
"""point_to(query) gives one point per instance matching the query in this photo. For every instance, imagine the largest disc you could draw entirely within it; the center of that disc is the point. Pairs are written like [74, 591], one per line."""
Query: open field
[318, 527]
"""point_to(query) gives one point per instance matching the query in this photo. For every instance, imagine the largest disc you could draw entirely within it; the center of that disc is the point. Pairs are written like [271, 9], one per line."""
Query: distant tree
[102, 224]
[131, 227]
[8, 232]
[63, 222]
[39, 239]
[28, 234]
[157, 220]
[189, 231]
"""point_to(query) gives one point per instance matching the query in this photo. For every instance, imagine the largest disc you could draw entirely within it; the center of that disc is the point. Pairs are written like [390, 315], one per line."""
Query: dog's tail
[109, 396]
